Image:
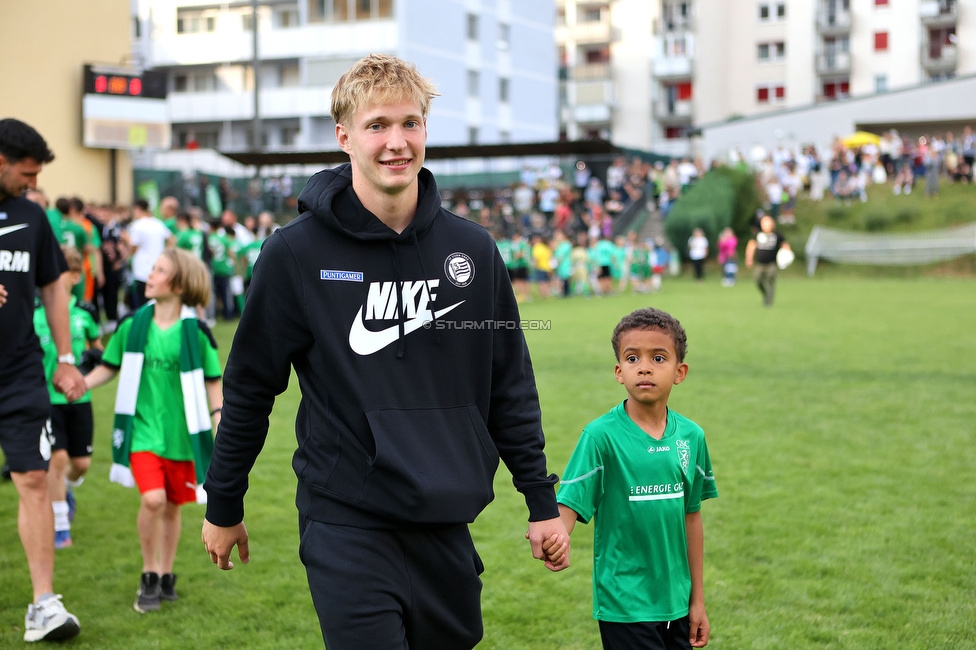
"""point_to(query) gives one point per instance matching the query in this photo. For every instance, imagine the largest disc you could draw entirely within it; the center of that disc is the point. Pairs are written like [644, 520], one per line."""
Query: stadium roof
[518, 150]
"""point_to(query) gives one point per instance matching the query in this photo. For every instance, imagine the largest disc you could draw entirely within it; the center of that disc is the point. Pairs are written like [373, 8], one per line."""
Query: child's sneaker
[149, 593]
[48, 620]
[69, 496]
[168, 587]
[62, 539]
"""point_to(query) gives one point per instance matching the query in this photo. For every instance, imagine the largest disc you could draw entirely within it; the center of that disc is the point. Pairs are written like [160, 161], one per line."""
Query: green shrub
[837, 213]
[876, 221]
[723, 197]
[907, 214]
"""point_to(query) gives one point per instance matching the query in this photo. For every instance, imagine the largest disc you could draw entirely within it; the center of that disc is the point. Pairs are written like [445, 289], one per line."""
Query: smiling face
[386, 146]
[17, 177]
[648, 366]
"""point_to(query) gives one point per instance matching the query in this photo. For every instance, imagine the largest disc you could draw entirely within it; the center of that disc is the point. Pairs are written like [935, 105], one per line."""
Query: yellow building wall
[45, 45]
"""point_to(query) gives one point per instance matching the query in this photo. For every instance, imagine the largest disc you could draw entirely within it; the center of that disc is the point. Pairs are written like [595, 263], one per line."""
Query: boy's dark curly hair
[651, 319]
[19, 140]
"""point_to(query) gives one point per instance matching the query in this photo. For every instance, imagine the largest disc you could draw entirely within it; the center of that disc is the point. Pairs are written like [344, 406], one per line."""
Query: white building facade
[493, 62]
[645, 73]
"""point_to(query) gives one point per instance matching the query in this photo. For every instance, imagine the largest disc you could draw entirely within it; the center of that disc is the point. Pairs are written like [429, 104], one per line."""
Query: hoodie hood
[329, 194]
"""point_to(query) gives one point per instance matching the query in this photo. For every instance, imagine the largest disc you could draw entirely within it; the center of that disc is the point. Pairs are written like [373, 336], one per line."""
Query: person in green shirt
[640, 473]
[165, 397]
[223, 249]
[72, 423]
[189, 236]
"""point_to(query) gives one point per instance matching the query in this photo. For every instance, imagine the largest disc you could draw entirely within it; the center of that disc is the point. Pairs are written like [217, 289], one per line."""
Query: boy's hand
[698, 624]
[555, 549]
[220, 541]
[541, 531]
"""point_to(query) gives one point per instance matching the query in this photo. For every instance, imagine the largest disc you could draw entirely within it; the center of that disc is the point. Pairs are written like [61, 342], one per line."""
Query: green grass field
[841, 427]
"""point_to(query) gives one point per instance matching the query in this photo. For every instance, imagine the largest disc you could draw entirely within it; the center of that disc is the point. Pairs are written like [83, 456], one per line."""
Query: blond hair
[378, 79]
[76, 264]
[189, 276]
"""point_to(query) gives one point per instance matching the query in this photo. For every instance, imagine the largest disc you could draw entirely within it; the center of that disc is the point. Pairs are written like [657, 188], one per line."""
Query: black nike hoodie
[415, 376]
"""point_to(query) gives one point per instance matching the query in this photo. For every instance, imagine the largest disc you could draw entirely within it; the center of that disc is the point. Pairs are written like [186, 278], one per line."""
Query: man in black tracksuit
[400, 321]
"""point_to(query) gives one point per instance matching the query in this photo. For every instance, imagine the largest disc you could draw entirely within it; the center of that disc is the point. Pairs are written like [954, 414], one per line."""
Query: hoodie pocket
[431, 465]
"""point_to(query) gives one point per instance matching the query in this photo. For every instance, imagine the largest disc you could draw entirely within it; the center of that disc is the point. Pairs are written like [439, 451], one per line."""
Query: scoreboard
[125, 109]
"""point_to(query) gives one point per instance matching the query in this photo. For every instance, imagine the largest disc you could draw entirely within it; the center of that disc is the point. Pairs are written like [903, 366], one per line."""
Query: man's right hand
[220, 541]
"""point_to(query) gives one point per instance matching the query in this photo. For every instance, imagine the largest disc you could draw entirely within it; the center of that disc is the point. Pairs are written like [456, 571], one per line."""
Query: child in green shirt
[640, 472]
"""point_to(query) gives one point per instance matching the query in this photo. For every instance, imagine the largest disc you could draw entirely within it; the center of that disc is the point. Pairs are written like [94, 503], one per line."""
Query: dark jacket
[415, 376]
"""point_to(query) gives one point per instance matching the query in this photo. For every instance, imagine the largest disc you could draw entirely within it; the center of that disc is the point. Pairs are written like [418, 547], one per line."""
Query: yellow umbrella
[859, 139]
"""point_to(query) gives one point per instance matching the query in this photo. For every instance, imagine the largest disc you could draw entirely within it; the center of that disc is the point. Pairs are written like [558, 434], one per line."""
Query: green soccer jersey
[223, 250]
[249, 255]
[564, 266]
[505, 250]
[74, 235]
[637, 490]
[190, 240]
[83, 329]
[521, 254]
[160, 421]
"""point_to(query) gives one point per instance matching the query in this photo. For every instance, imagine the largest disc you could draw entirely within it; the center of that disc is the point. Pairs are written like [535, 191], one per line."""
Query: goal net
[909, 249]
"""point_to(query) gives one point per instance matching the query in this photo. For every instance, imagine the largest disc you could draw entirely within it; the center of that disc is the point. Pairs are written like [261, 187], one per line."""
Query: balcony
[834, 63]
[674, 25]
[586, 33]
[938, 13]
[679, 111]
[833, 23]
[939, 59]
[223, 106]
[590, 72]
[674, 56]
[232, 44]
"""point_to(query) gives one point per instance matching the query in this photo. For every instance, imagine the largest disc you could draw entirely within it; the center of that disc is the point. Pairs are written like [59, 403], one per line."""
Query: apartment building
[493, 62]
[645, 73]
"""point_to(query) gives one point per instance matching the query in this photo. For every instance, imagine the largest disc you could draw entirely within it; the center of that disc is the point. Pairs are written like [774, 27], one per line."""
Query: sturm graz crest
[459, 269]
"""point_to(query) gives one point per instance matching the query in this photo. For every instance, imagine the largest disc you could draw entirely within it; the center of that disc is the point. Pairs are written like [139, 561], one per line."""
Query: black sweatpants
[394, 589]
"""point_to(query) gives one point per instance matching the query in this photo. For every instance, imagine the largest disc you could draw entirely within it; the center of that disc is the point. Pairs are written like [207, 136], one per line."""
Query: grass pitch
[840, 424]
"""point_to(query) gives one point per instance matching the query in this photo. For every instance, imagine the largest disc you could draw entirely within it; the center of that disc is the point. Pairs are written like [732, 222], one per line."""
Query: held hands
[220, 541]
[68, 379]
[550, 543]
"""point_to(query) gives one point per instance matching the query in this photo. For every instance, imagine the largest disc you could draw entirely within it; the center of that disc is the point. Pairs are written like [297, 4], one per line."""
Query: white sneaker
[48, 620]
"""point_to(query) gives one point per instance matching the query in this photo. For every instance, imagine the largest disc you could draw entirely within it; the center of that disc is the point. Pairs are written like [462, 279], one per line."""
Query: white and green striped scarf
[194, 396]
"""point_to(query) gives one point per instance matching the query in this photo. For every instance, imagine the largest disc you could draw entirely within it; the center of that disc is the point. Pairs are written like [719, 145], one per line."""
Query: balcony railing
[590, 72]
[673, 111]
[939, 59]
[590, 32]
[938, 13]
[833, 63]
[836, 22]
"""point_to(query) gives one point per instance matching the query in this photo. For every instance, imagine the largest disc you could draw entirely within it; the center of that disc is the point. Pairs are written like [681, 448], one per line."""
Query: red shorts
[177, 477]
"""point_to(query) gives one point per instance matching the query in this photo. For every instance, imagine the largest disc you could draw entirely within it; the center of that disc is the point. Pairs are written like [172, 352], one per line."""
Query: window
[683, 91]
[472, 27]
[590, 15]
[763, 12]
[880, 3]
[505, 136]
[773, 93]
[781, 11]
[136, 27]
[473, 83]
[881, 83]
[503, 86]
[880, 41]
[674, 132]
[364, 9]
[472, 135]
[286, 18]
[179, 83]
[504, 36]
[771, 51]
[289, 135]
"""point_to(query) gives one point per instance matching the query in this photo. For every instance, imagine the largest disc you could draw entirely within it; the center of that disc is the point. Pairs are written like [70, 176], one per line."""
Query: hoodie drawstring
[401, 310]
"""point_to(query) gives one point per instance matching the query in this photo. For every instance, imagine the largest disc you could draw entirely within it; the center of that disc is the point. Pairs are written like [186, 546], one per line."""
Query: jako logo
[383, 303]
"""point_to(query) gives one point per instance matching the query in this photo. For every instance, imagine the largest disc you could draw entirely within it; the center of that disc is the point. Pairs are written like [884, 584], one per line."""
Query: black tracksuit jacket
[415, 377]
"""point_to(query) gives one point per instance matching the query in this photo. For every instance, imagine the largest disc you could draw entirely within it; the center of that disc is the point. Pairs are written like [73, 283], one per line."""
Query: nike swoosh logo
[365, 342]
[10, 229]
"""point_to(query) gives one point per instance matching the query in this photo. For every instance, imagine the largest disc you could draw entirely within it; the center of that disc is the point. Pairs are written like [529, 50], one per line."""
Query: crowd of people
[854, 164]
[118, 245]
